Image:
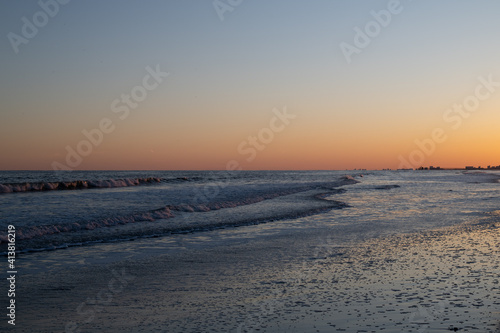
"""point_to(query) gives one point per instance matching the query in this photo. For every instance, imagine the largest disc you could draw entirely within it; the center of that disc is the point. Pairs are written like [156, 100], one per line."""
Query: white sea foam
[170, 206]
[48, 235]
[77, 184]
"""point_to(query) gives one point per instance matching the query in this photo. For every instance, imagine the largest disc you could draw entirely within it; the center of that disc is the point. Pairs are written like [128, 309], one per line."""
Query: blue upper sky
[226, 75]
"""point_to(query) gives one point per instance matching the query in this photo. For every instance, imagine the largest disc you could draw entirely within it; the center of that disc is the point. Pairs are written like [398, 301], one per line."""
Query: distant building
[481, 168]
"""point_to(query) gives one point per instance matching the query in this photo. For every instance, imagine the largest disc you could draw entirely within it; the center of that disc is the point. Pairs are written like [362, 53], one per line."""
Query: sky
[249, 84]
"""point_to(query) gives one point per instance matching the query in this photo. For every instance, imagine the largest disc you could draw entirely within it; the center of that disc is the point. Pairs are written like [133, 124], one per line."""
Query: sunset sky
[268, 84]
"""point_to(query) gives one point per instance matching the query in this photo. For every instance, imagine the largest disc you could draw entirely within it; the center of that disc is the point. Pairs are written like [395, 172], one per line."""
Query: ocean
[229, 251]
[53, 210]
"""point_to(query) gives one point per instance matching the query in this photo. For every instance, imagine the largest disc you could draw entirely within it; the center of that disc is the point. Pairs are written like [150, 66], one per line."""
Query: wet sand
[437, 281]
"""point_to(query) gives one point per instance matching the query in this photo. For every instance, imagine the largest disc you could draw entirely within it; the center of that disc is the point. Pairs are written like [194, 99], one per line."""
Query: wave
[43, 230]
[78, 184]
[25, 233]
[56, 235]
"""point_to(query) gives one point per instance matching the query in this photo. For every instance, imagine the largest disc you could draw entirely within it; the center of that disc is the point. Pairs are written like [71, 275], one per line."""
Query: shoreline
[184, 218]
[419, 282]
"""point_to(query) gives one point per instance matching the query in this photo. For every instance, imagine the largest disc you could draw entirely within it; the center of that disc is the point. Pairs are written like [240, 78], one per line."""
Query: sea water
[96, 209]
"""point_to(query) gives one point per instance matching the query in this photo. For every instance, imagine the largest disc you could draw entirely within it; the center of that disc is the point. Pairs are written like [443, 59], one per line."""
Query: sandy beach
[435, 281]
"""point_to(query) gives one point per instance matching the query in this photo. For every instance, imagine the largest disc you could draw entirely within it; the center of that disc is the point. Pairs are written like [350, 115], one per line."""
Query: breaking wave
[35, 237]
[84, 184]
